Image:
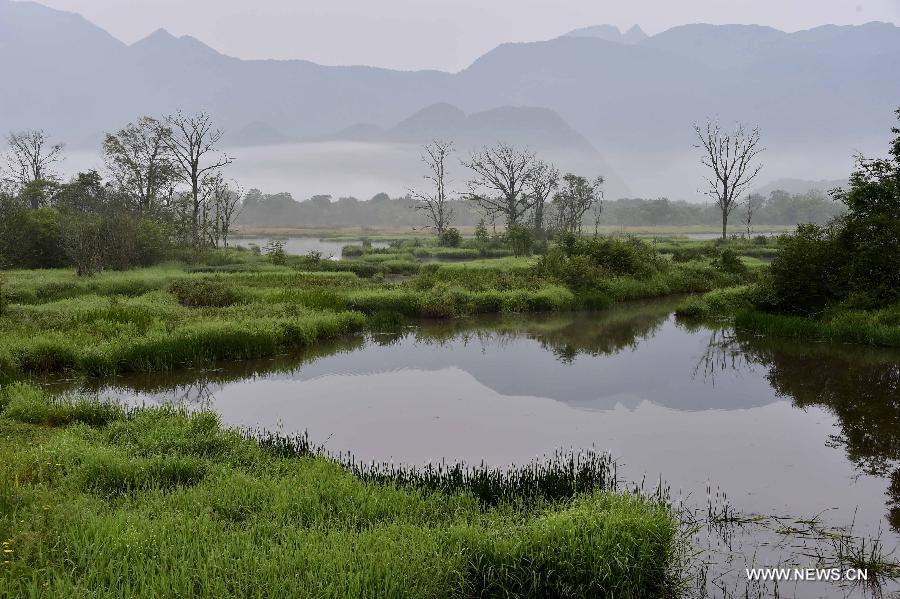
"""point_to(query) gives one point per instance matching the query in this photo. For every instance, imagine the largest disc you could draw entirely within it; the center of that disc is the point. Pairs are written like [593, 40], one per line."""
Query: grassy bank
[841, 324]
[98, 501]
[240, 305]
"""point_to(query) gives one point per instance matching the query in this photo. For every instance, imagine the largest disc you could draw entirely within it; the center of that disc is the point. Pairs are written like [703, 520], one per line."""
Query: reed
[164, 503]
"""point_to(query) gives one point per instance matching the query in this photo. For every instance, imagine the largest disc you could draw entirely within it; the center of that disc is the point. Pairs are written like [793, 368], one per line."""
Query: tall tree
[140, 161]
[502, 181]
[31, 156]
[435, 201]
[572, 202]
[193, 144]
[545, 182]
[730, 158]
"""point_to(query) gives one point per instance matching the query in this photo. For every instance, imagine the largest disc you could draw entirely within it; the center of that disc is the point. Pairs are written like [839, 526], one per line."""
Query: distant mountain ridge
[633, 99]
[610, 33]
[540, 130]
[516, 125]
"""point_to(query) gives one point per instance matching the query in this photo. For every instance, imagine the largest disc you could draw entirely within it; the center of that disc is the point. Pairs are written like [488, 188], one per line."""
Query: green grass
[163, 503]
[849, 326]
[239, 306]
[839, 324]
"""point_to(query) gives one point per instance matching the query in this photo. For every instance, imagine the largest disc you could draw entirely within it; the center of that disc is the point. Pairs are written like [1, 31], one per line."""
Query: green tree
[577, 196]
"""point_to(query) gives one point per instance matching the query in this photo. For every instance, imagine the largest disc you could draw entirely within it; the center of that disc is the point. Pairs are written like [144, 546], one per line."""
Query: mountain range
[633, 97]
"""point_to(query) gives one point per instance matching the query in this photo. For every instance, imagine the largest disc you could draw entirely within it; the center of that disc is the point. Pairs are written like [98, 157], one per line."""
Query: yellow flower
[7, 551]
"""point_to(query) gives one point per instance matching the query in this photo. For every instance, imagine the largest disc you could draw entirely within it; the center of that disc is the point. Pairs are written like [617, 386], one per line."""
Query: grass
[239, 306]
[850, 326]
[99, 501]
[838, 324]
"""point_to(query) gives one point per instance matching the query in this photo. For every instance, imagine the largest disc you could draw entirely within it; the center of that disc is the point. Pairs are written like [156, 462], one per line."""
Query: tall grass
[164, 503]
[851, 327]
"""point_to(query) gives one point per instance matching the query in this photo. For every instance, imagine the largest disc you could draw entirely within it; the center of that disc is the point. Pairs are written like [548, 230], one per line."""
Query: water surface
[301, 245]
[784, 428]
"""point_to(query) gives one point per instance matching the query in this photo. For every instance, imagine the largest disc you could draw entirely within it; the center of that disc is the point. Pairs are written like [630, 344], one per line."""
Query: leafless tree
[31, 156]
[193, 144]
[502, 181]
[435, 202]
[139, 159]
[544, 183]
[730, 157]
[753, 202]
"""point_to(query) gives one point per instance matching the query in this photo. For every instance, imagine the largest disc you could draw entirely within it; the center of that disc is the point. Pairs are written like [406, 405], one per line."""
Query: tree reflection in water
[859, 385]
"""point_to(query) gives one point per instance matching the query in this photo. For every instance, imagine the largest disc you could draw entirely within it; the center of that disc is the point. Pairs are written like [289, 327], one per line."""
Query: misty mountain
[538, 129]
[817, 95]
[611, 33]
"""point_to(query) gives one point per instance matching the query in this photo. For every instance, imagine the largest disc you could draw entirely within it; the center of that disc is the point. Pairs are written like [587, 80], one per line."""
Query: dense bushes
[30, 238]
[581, 263]
[450, 238]
[854, 260]
[204, 293]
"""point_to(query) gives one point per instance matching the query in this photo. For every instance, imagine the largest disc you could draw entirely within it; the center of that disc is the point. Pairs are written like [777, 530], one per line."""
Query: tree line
[163, 186]
[282, 210]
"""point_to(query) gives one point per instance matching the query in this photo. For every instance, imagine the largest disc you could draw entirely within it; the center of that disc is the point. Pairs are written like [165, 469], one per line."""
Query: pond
[783, 428]
[303, 245]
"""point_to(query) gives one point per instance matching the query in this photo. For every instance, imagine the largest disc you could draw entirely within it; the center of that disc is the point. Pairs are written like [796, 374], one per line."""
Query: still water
[303, 245]
[783, 428]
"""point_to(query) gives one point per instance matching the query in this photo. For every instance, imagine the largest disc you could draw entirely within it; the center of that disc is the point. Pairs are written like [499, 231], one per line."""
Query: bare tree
[502, 181]
[544, 183]
[193, 145]
[140, 161]
[435, 202]
[31, 156]
[753, 202]
[572, 202]
[730, 157]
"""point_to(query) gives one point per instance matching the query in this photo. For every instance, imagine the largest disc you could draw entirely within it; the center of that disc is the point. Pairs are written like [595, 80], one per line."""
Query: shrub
[275, 252]
[352, 251]
[204, 293]
[731, 263]
[692, 307]
[804, 277]
[583, 263]
[450, 238]
[520, 240]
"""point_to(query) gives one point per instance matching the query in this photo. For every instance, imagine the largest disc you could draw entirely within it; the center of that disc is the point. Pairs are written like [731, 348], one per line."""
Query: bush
[804, 277]
[450, 238]
[582, 263]
[520, 240]
[731, 263]
[275, 252]
[204, 293]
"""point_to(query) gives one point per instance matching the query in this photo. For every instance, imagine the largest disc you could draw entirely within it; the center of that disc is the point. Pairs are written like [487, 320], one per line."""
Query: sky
[435, 34]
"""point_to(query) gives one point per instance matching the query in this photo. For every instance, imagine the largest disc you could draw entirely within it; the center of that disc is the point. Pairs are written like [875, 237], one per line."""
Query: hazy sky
[442, 34]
